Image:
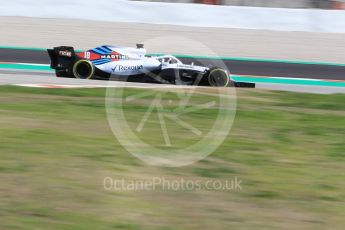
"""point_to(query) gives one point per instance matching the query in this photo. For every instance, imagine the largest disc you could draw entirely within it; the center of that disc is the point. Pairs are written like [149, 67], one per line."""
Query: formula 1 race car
[132, 64]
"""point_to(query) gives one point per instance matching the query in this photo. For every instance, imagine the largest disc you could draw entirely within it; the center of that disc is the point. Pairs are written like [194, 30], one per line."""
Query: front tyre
[217, 77]
[83, 69]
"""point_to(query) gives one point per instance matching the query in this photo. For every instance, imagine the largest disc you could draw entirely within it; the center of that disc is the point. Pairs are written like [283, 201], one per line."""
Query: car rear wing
[61, 57]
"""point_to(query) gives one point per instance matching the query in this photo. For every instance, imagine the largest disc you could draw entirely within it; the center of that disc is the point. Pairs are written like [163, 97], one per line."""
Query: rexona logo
[123, 68]
[115, 56]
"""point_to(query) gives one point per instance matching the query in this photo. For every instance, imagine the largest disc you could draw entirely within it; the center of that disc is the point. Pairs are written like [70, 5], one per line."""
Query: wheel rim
[218, 78]
[83, 69]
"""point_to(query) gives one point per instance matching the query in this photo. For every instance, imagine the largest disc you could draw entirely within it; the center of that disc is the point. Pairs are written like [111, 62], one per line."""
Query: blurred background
[286, 144]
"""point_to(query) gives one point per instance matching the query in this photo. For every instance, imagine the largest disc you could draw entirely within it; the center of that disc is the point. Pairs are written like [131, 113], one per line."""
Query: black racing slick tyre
[217, 77]
[83, 69]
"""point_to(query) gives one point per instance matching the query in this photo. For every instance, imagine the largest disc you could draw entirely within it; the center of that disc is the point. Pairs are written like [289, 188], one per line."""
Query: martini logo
[115, 56]
[123, 68]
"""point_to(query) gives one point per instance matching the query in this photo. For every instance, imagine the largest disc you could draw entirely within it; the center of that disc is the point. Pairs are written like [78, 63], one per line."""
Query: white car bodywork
[128, 61]
[132, 64]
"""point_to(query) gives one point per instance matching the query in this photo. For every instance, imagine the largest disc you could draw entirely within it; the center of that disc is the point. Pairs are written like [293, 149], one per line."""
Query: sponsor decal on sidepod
[123, 68]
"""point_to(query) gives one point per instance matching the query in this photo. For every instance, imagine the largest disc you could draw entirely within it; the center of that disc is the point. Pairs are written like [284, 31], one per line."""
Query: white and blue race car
[132, 64]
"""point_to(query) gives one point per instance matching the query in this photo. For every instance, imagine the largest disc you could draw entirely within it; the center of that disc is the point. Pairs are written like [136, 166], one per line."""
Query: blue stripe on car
[99, 51]
[102, 49]
[107, 48]
[100, 61]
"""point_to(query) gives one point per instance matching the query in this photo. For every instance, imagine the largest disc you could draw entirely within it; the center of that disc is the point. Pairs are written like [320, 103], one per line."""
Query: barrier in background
[339, 5]
[298, 4]
[199, 15]
[210, 2]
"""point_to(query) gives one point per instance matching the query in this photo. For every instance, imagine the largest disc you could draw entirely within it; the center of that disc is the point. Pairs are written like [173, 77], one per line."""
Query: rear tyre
[217, 77]
[83, 69]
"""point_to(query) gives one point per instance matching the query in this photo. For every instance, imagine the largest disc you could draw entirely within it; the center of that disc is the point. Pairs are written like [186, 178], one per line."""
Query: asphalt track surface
[44, 79]
[255, 68]
[238, 67]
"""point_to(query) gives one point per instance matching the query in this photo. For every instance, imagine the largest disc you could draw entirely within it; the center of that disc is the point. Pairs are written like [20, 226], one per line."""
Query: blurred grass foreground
[288, 150]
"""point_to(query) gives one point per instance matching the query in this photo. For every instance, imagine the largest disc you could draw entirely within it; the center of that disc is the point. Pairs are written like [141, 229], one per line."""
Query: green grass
[56, 147]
